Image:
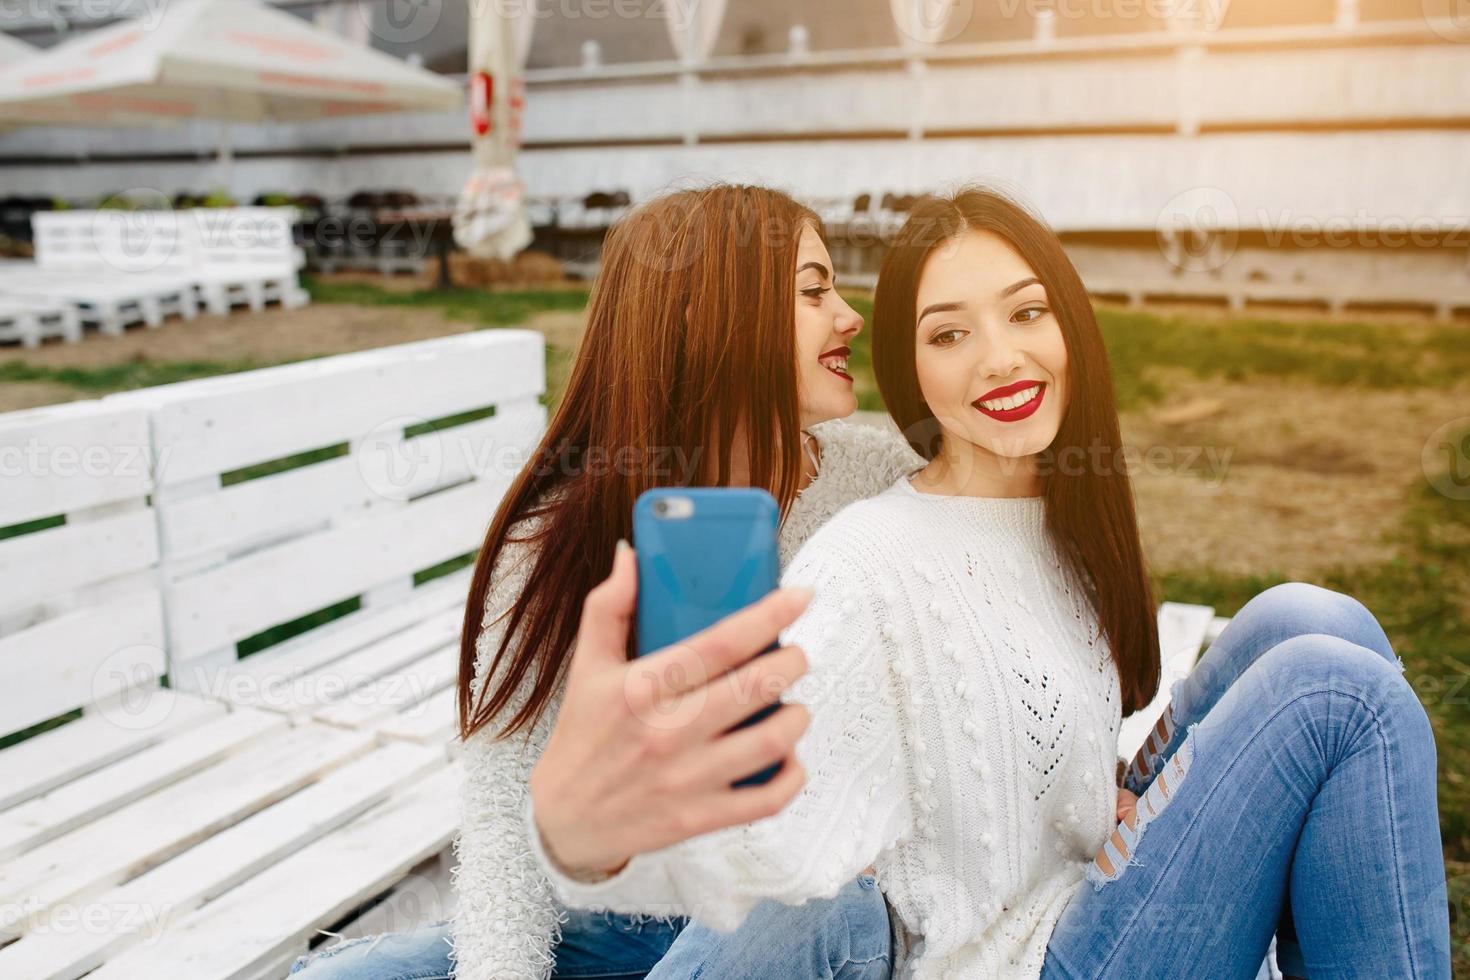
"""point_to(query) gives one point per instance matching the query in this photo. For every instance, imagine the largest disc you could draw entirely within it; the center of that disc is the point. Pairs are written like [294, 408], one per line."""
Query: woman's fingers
[749, 750]
[731, 807]
[710, 653]
[607, 613]
[729, 699]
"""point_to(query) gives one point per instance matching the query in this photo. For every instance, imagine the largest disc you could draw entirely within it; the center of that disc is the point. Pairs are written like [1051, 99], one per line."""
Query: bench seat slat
[387, 696]
[300, 693]
[72, 805]
[432, 721]
[202, 873]
[273, 915]
[146, 832]
[94, 740]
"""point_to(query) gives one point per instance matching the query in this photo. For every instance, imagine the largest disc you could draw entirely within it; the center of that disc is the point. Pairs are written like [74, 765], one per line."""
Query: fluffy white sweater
[965, 714]
[507, 920]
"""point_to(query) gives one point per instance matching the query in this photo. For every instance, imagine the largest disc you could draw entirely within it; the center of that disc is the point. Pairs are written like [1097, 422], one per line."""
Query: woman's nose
[1000, 362]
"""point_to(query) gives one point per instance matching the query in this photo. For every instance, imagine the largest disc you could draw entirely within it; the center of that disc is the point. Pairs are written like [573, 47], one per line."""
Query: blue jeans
[1289, 790]
[599, 945]
[844, 938]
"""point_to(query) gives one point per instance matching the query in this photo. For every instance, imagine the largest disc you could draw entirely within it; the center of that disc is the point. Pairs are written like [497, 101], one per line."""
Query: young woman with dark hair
[978, 630]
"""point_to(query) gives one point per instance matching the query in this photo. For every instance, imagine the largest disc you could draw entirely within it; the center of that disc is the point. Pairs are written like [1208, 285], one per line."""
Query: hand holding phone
[703, 553]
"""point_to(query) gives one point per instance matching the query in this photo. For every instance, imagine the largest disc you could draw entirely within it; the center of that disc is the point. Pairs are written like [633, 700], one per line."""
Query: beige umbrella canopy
[12, 50]
[232, 60]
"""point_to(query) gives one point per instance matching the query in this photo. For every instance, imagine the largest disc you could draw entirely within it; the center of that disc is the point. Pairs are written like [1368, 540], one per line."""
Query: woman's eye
[1031, 314]
[816, 292]
[946, 338]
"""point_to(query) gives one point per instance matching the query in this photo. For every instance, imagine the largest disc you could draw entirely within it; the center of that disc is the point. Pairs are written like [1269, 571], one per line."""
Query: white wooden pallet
[216, 831]
[30, 321]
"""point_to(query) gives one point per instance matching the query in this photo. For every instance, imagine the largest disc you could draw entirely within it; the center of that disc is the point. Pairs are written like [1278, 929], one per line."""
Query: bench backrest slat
[80, 616]
[287, 490]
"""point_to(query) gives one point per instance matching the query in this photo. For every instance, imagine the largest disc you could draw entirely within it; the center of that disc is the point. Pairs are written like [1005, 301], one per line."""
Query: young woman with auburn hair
[978, 630]
[715, 354]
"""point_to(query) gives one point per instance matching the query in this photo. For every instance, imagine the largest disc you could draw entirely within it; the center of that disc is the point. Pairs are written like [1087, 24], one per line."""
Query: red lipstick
[1020, 411]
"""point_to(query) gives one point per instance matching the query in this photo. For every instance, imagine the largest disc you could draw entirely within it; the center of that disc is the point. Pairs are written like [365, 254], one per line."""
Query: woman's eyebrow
[1019, 285]
[815, 265]
[940, 308]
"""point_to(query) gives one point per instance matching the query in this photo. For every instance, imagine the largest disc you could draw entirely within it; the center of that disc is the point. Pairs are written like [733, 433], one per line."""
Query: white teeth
[840, 363]
[1012, 401]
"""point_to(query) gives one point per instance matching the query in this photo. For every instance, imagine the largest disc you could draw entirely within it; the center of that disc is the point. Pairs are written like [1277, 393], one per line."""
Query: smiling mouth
[1015, 406]
[835, 360]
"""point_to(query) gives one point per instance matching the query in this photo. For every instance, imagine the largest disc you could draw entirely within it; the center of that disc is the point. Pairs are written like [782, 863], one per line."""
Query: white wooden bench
[245, 256]
[215, 827]
[114, 268]
[31, 320]
[117, 267]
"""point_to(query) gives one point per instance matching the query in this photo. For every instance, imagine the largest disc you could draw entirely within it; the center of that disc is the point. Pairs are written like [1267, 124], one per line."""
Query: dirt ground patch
[1290, 478]
[272, 335]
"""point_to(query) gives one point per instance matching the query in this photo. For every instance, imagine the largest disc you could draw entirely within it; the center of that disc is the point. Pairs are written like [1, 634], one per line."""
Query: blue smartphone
[704, 553]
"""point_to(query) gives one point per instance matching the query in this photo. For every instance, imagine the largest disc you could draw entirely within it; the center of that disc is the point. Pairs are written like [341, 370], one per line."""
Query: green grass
[1382, 356]
[123, 376]
[488, 308]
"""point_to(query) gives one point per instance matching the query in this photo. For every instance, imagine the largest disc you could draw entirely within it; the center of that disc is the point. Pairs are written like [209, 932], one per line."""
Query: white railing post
[799, 41]
[1044, 31]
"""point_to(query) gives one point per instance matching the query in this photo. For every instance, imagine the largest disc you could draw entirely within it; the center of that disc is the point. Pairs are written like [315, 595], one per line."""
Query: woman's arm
[852, 805]
[506, 921]
[641, 756]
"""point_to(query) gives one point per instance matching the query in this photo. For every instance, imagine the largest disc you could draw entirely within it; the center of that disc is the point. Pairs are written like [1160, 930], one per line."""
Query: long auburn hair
[690, 341]
[1089, 509]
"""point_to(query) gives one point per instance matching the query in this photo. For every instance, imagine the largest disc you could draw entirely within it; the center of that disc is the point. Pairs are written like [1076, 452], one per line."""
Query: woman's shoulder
[865, 458]
[868, 531]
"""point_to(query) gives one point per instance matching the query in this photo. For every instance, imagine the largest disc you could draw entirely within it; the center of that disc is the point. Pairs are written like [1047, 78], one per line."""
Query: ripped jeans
[1288, 790]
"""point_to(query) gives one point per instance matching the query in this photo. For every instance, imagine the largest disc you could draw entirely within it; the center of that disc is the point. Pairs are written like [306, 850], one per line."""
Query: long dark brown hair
[690, 341]
[1089, 509]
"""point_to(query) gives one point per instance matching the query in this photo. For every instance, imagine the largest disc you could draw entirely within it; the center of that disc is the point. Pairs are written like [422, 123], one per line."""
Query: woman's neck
[740, 462]
[966, 470]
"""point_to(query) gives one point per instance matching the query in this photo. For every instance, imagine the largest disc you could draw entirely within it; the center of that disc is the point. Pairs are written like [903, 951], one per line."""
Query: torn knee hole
[1150, 754]
[1118, 851]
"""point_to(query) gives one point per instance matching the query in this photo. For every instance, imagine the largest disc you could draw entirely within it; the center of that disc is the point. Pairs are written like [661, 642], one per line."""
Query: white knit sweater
[965, 715]
[507, 920]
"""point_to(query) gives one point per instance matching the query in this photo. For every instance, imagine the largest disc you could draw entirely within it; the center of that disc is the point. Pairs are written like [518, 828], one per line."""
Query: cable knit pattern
[508, 922]
[964, 730]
